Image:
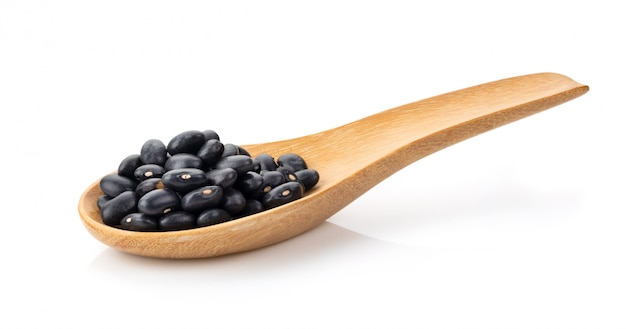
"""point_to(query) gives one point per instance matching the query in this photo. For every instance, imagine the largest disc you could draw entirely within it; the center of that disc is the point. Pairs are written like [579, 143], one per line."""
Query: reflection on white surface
[326, 239]
[478, 210]
[306, 281]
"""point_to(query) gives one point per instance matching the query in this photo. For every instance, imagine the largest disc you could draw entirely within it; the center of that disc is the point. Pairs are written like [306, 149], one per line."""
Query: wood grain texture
[351, 159]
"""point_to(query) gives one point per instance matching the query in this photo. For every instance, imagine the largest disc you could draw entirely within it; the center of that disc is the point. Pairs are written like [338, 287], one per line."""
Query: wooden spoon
[350, 159]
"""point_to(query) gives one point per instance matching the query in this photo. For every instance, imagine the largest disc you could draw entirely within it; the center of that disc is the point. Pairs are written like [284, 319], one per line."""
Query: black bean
[267, 162]
[212, 217]
[233, 201]
[249, 182]
[196, 180]
[177, 220]
[308, 178]
[272, 179]
[241, 163]
[185, 179]
[210, 134]
[114, 184]
[289, 174]
[146, 171]
[202, 198]
[256, 166]
[158, 202]
[183, 160]
[128, 165]
[210, 151]
[148, 185]
[102, 200]
[230, 149]
[153, 151]
[292, 161]
[283, 194]
[139, 222]
[115, 209]
[242, 151]
[225, 177]
[253, 206]
[186, 142]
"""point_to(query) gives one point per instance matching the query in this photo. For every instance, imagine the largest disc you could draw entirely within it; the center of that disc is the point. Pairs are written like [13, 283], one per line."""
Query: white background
[521, 227]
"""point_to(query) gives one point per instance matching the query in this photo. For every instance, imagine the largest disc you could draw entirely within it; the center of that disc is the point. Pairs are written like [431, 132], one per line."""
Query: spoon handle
[355, 157]
[407, 133]
[413, 131]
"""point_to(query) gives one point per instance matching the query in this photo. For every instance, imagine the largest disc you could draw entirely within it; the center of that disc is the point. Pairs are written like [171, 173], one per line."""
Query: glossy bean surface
[225, 177]
[158, 202]
[185, 179]
[233, 201]
[283, 194]
[115, 209]
[197, 180]
[308, 177]
[213, 217]
[183, 160]
[148, 185]
[146, 171]
[210, 134]
[177, 220]
[153, 151]
[114, 184]
[252, 207]
[202, 198]
[128, 165]
[249, 182]
[241, 163]
[210, 151]
[292, 161]
[266, 162]
[139, 222]
[186, 142]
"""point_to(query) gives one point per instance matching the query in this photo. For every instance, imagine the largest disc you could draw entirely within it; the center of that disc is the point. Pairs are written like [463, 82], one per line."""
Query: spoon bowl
[350, 159]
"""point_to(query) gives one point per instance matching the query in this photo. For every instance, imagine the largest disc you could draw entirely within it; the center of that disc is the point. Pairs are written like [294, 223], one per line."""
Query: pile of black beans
[196, 180]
